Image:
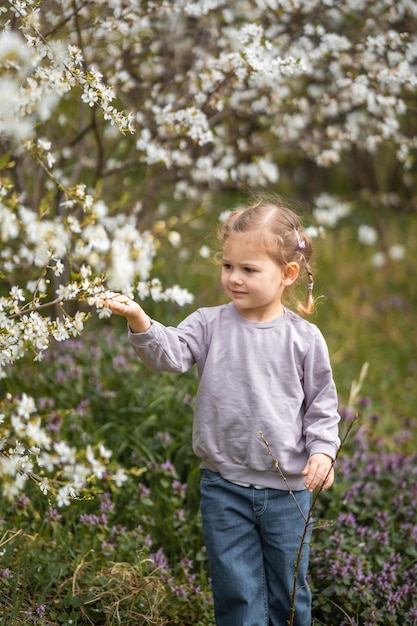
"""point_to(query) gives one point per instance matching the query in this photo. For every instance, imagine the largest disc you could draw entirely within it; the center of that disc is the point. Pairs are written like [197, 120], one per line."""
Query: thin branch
[353, 396]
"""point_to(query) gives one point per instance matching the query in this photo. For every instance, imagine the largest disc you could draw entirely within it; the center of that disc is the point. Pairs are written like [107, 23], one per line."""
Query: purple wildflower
[53, 515]
[168, 467]
[106, 505]
[6, 573]
[94, 520]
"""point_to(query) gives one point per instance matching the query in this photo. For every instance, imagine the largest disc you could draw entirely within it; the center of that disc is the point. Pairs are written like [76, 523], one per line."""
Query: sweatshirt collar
[278, 321]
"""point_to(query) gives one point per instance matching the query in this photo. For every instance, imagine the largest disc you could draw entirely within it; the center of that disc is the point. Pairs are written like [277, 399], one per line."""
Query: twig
[284, 478]
[308, 520]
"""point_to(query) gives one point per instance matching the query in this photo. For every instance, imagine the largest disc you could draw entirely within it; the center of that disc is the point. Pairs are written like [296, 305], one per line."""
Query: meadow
[132, 553]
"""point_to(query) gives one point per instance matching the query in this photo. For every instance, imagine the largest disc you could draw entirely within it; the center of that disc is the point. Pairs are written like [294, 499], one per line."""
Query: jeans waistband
[241, 484]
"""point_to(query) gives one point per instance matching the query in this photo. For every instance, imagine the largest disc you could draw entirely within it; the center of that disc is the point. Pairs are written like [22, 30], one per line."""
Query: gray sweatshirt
[273, 377]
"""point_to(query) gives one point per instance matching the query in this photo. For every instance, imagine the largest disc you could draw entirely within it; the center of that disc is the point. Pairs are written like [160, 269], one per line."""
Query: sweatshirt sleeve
[168, 348]
[321, 415]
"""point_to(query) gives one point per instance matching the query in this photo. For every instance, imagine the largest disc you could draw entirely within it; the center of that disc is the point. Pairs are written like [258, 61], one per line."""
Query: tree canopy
[112, 109]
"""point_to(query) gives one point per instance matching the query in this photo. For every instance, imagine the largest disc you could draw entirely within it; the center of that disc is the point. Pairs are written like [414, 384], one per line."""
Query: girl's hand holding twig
[319, 472]
[120, 304]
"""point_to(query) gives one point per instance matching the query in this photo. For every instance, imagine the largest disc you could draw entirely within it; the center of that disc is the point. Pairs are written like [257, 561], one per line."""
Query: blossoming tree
[111, 108]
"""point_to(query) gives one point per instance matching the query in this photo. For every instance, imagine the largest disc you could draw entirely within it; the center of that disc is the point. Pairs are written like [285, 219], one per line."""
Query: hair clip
[301, 242]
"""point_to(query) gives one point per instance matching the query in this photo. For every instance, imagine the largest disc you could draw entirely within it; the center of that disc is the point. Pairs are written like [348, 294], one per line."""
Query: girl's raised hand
[121, 304]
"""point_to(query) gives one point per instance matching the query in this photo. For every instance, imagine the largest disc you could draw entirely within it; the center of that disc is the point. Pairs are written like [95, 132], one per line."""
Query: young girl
[262, 368]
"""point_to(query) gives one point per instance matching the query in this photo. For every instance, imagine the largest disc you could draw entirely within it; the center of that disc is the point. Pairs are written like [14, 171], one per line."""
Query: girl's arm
[136, 317]
[321, 416]
[161, 348]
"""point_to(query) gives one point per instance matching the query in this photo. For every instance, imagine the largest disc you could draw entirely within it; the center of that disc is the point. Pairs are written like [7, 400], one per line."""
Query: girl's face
[253, 281]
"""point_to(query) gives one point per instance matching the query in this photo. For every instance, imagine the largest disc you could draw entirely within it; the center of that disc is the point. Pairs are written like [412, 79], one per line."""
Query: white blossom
[397, 252]
[37, 434]
[67, 292]
[97, 468]
[174, 238]
[119, 477]
[65, 452]
[367, 235]
[205, 252]
[44, 486]
[58, 268]
[330, 210]
[104, 452]
[379, 259]
[25, 406]
[59, 332]
[64, 495]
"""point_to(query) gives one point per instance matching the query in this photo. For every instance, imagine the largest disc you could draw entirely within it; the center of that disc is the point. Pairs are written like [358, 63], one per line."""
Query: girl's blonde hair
[277, 230]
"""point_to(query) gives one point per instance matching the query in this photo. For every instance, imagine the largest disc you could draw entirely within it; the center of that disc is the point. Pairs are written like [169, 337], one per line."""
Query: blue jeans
[252, 538]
